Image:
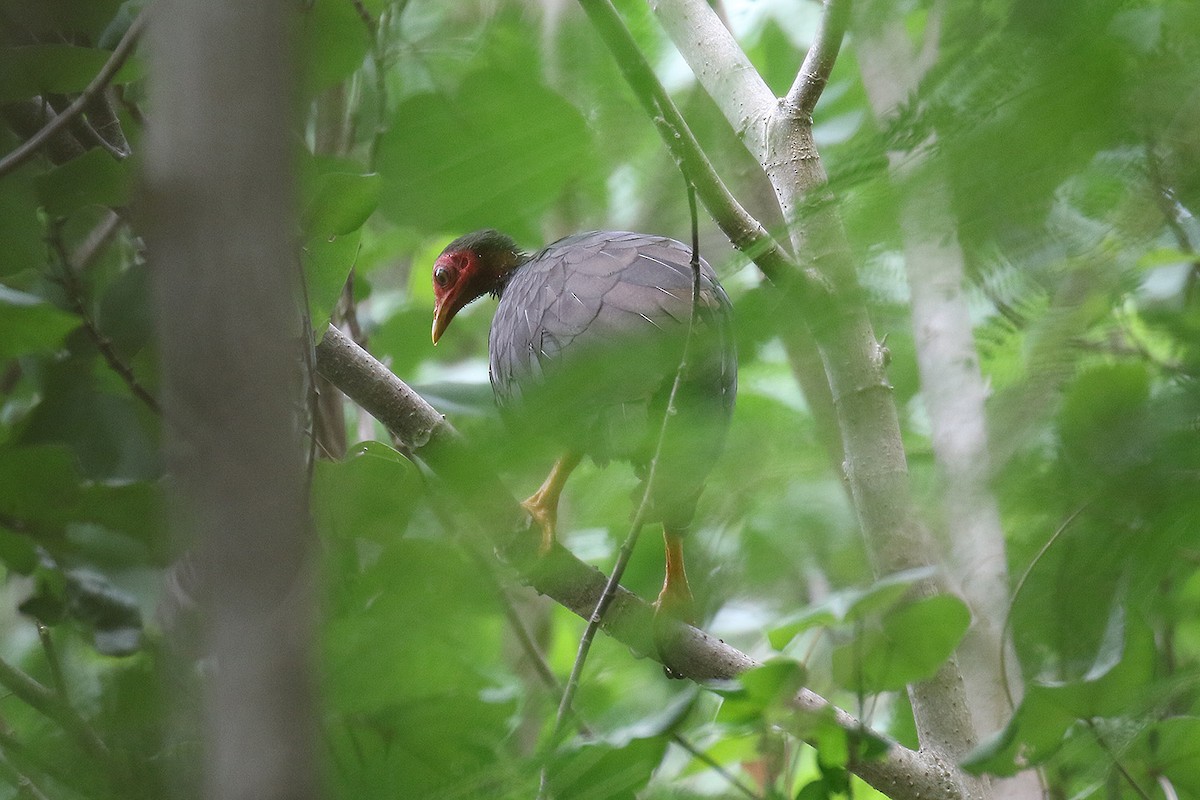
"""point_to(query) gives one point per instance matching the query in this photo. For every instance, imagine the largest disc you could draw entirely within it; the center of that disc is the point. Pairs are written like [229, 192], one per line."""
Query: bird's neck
[505, 271]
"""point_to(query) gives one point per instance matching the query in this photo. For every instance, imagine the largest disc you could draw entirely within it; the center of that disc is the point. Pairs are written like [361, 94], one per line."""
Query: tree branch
[52, 706]
[876, 469]
[814, 73]
[743, 230]
[115, 61]
[723, 68]
[686, 651]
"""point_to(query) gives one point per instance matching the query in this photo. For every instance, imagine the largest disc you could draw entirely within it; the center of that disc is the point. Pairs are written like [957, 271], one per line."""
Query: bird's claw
[676, 602]
[546, 519]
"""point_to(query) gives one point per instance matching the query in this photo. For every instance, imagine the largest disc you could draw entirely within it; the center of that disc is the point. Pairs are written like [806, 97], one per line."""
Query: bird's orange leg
[675, 598]
[542, 505]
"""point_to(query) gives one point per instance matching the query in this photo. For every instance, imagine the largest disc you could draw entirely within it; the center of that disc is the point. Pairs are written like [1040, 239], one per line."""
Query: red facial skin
[458, 278]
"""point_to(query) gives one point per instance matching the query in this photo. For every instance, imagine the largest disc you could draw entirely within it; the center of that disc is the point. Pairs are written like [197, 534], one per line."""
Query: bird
[583, 352]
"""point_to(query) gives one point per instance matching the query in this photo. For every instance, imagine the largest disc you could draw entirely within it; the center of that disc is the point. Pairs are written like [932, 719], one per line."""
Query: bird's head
[470, 267]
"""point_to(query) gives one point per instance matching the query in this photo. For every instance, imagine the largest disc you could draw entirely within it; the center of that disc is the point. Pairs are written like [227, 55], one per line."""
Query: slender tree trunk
[778, 132]
[953, 390]
[218, 212]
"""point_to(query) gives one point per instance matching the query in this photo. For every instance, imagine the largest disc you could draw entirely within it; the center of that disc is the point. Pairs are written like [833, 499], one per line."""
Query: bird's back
[586, 342]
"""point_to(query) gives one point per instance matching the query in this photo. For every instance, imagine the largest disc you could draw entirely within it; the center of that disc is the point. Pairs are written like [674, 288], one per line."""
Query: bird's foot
[675, 601]
[544, 516]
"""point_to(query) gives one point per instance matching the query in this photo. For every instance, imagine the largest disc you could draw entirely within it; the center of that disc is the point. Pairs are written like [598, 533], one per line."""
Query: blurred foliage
[1068, 133]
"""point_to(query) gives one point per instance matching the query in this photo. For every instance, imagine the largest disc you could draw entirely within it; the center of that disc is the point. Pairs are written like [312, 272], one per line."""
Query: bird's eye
[441, 276]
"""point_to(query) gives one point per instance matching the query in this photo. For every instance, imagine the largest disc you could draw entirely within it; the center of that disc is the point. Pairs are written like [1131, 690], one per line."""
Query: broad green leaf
[125, 313]
[496, 155]
[112, 435]
[93, 179]
[1048, 711]
[369, 496]
[761, 691]
[38, 484]
[327, 263]
[908, 645]
[815, 617]
[815, 790]
[1176, 752]
[20, 228]
[112, 615]
[17, 551]
[339, 204]
[136, 512]
[334, 40]
[850, 605]
[446, 745]
[29, 324]
[1164, 257]
[409, 619]
[30, 70]
[600, 771]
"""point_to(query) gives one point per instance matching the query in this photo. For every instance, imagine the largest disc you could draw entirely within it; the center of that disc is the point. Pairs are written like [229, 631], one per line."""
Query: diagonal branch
[814, 73]
[722, 67]
[746, 233]
[115, 61]
[686, 651]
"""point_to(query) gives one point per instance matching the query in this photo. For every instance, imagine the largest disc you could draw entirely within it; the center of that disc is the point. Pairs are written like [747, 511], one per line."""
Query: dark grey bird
[583, 351]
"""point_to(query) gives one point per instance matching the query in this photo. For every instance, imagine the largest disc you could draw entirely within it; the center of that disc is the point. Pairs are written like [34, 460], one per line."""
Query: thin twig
[1004, 629]
[1100, 740]
[715, 766]
[639, 517]
[96, 240]
[56, 673]
[814, 73]
[52, 706]
[71, 285]
[115, 61]
[542, 668]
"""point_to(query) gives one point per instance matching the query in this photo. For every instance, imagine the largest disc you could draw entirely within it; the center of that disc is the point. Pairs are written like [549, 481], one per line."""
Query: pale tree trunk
[952, 388]
[778, 132]
[218, 213]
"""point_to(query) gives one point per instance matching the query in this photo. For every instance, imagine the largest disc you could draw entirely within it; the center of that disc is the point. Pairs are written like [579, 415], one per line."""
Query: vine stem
[639, 517]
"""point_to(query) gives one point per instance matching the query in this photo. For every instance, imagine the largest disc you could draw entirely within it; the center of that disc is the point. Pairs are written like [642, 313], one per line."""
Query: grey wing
[612, 309]
[593, 291]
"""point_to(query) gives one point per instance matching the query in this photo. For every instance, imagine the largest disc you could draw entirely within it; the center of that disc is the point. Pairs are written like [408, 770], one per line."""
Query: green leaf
[37, 484]
[125, 311]
[908, 645]
[1176, 753]
[20, 228]
[36, 69]
[93, 179]
[327, 264]
[339, 203]
[370, 495]
[761, 691]
[112, 435]
[1048, 711]
[814, 790]
[600, 771]
[850, 605]
[820, 616]
[497, 155]
[17, 552]
[333, 43]
[29, 324]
